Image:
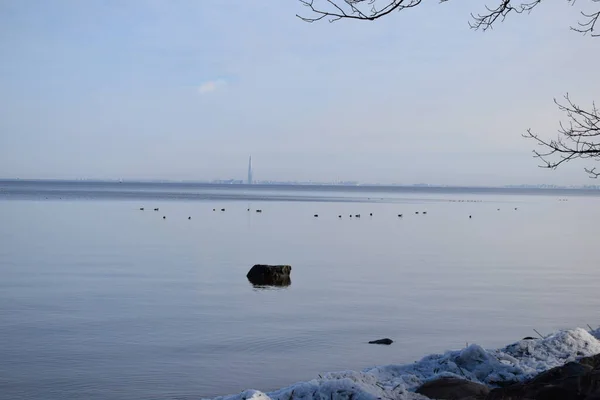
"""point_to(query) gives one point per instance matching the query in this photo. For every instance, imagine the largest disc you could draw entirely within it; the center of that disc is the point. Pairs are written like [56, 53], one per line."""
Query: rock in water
[270, 275]
[453, 389]
[382, 341]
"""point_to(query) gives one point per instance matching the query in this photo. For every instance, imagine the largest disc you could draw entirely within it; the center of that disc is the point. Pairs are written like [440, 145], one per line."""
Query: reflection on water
[271, 282]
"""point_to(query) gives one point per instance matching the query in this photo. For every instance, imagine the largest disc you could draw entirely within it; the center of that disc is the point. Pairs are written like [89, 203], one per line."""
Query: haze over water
[101, 300]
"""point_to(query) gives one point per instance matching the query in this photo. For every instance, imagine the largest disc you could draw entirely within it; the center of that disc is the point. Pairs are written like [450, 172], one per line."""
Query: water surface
[101, 300]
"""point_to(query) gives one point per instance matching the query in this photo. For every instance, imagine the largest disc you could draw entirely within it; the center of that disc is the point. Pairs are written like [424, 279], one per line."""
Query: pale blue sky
[188, 89]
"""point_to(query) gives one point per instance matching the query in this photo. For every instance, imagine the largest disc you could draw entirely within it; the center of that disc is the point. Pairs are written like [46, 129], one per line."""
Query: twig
[539, 334]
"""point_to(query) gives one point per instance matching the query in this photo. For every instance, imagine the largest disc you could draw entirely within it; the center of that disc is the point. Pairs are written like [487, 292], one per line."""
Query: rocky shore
[562, 366]
[575, 380]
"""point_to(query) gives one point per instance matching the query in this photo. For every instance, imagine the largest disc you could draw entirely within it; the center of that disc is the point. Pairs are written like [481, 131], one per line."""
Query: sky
[176, 89]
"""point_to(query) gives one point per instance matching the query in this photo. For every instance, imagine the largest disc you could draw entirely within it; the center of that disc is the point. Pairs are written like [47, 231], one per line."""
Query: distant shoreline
[433, 189]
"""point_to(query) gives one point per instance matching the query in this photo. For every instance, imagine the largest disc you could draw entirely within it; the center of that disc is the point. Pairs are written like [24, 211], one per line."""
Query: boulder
[593, 396]
[561, 374]
[270, 275]
[592, 361]
[453, 389]
[382, 341]
[572, 381]
[554, 392]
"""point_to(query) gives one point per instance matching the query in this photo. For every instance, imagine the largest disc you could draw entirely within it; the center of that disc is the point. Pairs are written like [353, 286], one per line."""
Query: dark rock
[569, 370]
[572, 381]
[592, 361]
[270, 275]
[554, 392]
[593, 396]
[511, 392]
[453, 389]
[590, 384]
[528, 338]
[382, 341]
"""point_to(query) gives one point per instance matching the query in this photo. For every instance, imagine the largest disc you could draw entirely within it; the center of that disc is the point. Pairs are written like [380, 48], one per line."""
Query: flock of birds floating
[340, 216]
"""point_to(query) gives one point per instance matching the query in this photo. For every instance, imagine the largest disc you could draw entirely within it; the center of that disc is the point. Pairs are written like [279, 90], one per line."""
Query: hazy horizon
[187, 90]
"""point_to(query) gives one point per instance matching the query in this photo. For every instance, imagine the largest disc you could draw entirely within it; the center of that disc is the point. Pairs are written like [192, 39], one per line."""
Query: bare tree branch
[579, 137]
[589, 23]
[486, 21]
[355, 9]
[370, 10]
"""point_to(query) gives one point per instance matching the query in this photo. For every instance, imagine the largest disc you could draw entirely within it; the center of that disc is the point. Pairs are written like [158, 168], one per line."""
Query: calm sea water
[99, 300]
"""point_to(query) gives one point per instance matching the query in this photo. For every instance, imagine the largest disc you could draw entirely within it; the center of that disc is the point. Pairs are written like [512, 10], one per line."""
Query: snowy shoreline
[516, 362]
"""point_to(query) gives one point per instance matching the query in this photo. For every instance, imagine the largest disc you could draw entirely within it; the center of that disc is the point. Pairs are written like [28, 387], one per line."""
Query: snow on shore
[515, 362]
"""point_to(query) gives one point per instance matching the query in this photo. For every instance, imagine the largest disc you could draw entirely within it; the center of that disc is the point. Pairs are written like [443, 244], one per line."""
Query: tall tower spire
[250, 171]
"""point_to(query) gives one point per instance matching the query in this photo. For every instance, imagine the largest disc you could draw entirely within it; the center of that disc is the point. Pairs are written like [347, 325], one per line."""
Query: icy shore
[516, 362]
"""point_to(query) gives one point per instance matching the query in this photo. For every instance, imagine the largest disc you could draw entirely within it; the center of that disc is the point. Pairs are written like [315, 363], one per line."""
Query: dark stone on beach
[594, 396]
[270, 275]
[552, 392]
[382, 341]
[559, 374]
[571, 381]
[453, 389]
[592, 361]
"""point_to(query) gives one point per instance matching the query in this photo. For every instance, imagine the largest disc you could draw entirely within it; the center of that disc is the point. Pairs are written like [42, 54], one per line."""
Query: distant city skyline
[250, 180]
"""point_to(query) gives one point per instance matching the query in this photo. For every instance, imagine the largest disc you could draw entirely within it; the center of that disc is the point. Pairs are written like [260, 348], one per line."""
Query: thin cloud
[211, 86]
